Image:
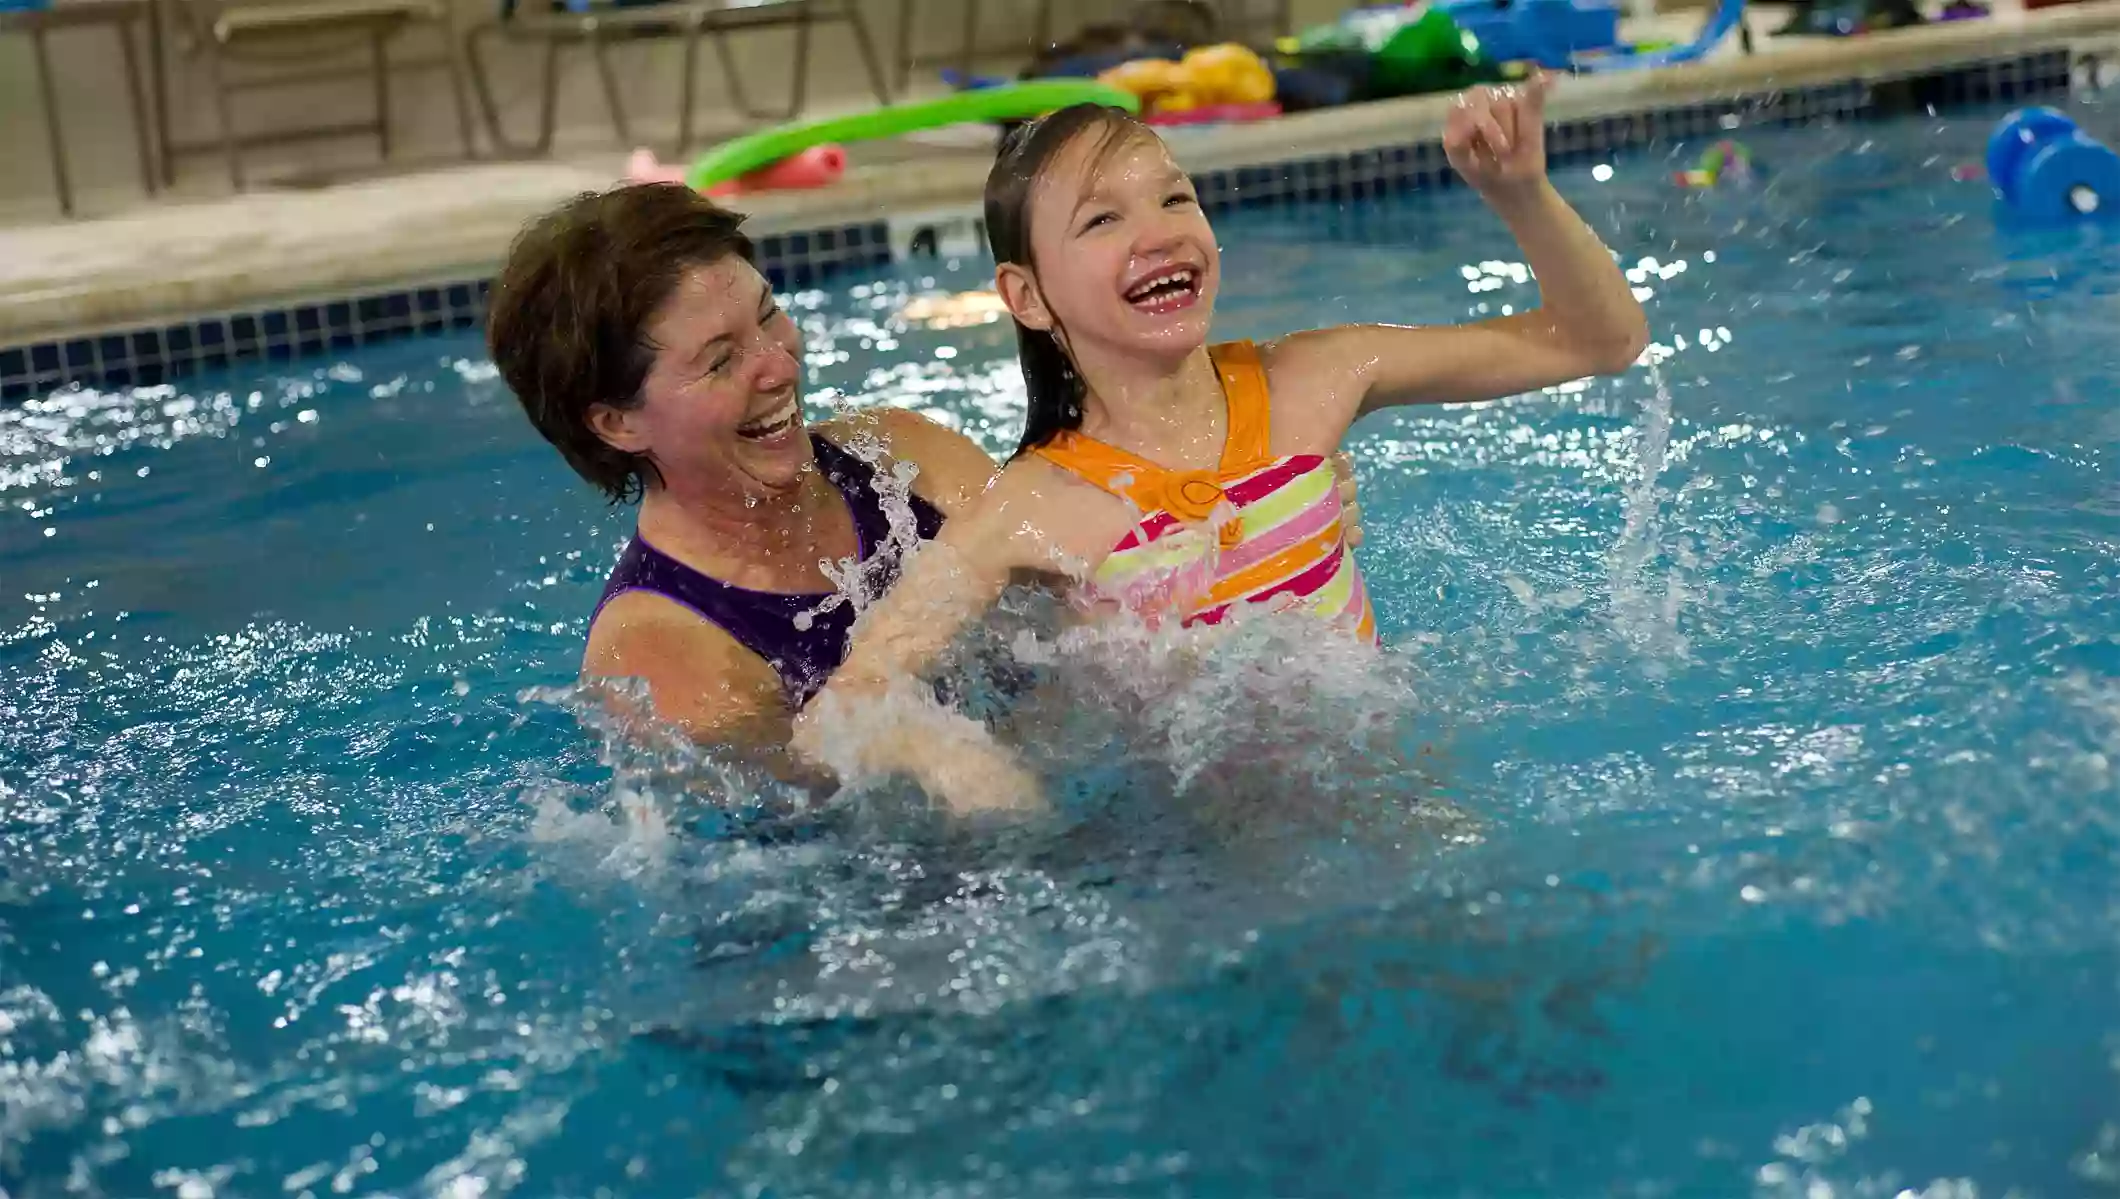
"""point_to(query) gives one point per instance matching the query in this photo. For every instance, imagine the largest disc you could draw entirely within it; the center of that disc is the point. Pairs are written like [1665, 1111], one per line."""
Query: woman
[646, 346]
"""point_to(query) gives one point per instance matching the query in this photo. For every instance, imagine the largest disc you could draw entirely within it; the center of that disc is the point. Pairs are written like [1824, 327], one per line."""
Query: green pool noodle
[1010, 101]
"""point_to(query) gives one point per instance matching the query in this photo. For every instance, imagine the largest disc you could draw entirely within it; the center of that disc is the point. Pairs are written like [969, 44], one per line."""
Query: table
[121, 16]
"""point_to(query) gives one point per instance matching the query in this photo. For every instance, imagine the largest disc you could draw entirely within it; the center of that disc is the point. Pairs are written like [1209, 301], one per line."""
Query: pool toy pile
[1170, 64]
[1225, 81]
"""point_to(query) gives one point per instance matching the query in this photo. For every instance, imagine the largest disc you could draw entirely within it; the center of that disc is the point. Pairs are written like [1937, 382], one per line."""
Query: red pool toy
[1209, 114]
[818, 166]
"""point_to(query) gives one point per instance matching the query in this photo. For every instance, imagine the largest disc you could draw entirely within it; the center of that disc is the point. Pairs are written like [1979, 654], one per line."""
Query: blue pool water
[1766, 846]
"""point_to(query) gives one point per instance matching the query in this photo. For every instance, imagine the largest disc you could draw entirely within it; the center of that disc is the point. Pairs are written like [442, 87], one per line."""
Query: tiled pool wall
[162, 353]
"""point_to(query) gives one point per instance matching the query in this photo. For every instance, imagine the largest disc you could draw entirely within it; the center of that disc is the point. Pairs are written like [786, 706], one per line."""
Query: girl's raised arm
[1587, 322]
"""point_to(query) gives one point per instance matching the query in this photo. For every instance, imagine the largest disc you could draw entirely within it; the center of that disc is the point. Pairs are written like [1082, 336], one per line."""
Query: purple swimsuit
[803, 636]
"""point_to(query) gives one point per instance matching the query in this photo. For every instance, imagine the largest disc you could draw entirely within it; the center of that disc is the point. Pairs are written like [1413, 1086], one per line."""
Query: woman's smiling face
[723, 396]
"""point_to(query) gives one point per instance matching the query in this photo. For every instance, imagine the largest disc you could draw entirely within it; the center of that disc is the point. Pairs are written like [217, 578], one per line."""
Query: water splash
[1645, 609]
[858, 581]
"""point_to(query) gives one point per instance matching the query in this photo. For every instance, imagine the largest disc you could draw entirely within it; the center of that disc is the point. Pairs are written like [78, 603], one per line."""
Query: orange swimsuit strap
[1189, 495]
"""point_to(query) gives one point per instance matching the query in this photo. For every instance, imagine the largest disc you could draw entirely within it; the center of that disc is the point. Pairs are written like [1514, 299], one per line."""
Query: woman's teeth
[773, 423]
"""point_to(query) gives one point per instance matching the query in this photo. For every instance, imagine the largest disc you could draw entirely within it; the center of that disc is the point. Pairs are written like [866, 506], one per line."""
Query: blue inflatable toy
[2047, 168]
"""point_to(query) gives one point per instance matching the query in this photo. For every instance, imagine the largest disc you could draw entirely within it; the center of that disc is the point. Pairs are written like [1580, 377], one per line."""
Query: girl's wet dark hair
[1055, 390]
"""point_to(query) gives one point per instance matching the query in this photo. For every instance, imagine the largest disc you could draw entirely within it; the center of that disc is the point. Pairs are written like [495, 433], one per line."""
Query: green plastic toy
[1396, 52]
[1431, 54]
[1009, 101]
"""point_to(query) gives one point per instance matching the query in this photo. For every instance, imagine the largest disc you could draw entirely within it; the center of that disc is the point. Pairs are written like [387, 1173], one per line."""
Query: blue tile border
[146, 356]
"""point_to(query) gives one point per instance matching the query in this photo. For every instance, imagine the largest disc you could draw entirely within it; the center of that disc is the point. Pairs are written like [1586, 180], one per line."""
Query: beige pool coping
[177, 260]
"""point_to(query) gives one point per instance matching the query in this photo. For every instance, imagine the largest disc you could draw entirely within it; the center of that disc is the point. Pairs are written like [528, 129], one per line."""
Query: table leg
[142, 135]
[41, 55]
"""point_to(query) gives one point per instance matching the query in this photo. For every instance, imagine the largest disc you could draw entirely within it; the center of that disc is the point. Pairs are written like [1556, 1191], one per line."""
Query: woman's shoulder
[952, 470]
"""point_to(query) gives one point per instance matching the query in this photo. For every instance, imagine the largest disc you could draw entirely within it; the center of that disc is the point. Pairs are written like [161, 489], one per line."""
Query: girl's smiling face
[1125, 263]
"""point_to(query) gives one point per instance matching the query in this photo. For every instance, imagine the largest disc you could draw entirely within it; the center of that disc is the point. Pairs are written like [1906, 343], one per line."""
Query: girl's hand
[1496, 136]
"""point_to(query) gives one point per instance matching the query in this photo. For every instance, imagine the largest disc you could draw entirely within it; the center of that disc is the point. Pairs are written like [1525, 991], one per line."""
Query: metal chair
[687, 20]
[968, 48]
[313, 34]
[1238, 20]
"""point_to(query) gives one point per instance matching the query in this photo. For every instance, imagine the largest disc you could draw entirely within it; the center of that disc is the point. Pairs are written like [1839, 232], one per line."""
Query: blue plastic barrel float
[2043, 165]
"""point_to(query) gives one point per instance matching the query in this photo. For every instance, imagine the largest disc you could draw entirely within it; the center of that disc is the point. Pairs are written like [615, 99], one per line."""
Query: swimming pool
[1781, 686]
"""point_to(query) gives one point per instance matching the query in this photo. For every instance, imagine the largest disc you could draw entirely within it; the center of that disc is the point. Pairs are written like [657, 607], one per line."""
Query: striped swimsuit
[1257, 530]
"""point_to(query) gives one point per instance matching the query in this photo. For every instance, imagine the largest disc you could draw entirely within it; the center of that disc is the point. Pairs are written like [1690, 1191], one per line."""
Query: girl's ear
[1019, 290]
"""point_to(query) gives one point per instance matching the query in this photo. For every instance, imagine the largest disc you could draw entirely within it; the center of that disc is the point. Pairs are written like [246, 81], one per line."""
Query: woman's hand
[1350, 508]
[903, 731]
[1496, 136]
[980, 776]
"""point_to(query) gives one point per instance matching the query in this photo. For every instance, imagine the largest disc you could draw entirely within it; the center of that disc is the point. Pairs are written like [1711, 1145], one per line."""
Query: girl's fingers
[1490, 130]
[1537, 88]
[1509, 115]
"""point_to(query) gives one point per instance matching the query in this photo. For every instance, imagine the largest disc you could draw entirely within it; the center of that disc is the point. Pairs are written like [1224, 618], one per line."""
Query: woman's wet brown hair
[567, 322]
[1053, 388]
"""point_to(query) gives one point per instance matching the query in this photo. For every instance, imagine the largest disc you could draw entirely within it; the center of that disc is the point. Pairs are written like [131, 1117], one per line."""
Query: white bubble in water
[462, 687]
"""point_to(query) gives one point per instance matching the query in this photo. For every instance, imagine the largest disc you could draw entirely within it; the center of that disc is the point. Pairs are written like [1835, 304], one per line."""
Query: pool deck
[177, 259]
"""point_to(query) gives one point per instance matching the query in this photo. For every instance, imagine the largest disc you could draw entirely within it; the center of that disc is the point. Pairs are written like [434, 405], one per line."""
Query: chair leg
[216, 80]
[969, 51]
[453, 59]
[867, 47]
[800, 91]
[41, 54]
[734, 81]
[158, 82]
[906, 13]
[548, 102]
[612, 99]
[379, 61]
[142, 134]
[687, 92]
[482, 91]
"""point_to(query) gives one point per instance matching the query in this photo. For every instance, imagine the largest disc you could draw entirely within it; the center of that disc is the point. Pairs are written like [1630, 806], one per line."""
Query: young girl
[1177, 479]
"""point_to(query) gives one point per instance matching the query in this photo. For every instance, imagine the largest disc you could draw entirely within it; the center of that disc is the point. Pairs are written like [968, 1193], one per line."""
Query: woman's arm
[701, 682]
[869, 721]
[1587, 322]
